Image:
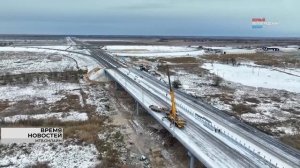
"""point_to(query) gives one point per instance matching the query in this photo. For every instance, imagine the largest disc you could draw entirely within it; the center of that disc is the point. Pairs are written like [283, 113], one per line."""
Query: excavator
[172, 115]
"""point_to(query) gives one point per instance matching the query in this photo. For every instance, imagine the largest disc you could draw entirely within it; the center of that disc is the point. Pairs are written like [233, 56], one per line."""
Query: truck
[159, 109]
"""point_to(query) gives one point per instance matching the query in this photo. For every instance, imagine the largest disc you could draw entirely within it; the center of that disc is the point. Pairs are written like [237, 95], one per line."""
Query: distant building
[212, 50]
[239, 51]
[271, 48]
[291, 48]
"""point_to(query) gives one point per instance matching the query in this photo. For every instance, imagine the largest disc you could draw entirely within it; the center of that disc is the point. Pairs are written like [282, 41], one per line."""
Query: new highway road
[215, 138]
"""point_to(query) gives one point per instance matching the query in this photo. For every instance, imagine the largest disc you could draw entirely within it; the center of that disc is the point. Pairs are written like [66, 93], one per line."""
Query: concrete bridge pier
[137, 107]
[117, 86]
[192, 160]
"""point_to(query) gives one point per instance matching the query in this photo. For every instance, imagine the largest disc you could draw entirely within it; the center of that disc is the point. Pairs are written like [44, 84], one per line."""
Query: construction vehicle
[172, 116]
[159, 109]
[144, 68]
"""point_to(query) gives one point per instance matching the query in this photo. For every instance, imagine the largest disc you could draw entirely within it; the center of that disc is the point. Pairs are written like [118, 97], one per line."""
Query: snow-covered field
[52, 94]
[61, 95]
[51, 91]
[239, 51]
[153, 51]
[255, 76]
[291, 71]
[220, 48]
[68, 154]
[67, 116]
[19, 60]
[83, 62]
[286, 130]
[15, 63]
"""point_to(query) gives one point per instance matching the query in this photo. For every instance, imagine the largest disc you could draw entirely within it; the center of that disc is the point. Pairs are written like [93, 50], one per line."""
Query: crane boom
[172, 116]
[172, 94]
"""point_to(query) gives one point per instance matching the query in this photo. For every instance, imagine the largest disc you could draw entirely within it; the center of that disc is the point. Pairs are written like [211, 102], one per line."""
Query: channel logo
[259, 23]
[31, 135]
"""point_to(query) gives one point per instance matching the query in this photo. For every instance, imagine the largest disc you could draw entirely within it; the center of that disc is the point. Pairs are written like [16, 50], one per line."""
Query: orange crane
[172, 115]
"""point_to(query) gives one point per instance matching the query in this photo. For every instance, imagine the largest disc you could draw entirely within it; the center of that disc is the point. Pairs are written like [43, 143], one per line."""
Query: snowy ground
[255, 76]
[50, 93]
[153, 51]
[67, 116]
[55, 92]
[239, 51]
[266, 97]
[51, 56]
[15, 63]
[68, 154]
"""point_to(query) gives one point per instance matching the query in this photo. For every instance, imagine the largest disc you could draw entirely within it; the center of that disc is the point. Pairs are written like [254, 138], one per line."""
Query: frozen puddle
[255, 76]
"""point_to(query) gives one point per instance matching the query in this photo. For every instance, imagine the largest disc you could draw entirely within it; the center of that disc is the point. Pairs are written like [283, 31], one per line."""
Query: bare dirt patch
[181, 60]
[242, 108]
[292, 140]
[3, 105]
[145, 137]
[194, 68]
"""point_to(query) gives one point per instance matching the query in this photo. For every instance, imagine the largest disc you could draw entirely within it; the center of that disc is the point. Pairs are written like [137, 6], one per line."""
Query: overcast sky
[149, 17]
